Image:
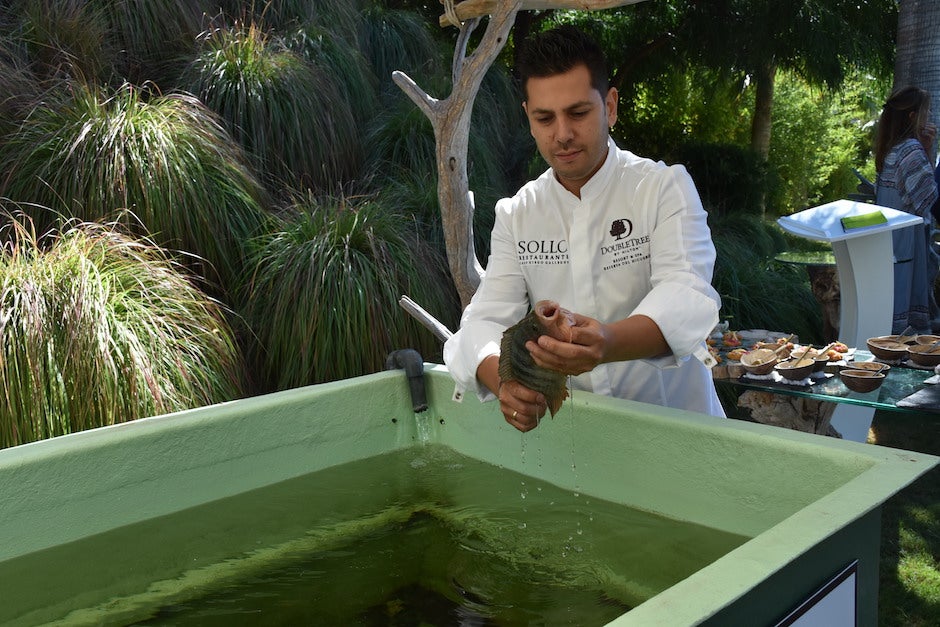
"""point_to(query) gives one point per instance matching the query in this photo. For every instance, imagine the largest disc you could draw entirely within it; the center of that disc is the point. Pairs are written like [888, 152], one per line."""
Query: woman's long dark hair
[903, 116]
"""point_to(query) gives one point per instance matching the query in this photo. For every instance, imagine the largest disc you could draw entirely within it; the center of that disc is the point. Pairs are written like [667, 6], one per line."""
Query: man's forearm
[488, 373]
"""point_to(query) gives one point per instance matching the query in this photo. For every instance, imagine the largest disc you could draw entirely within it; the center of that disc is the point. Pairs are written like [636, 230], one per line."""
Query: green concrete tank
[807, 509]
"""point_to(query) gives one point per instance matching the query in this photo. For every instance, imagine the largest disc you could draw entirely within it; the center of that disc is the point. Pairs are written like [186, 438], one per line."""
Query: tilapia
[515, 361]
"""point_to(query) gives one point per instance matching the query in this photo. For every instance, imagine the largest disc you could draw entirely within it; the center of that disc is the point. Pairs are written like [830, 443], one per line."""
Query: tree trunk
[917, 61]
[763, 108]
[450, 119]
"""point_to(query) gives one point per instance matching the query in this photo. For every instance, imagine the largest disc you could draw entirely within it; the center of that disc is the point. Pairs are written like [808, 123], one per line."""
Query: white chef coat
[636, 242]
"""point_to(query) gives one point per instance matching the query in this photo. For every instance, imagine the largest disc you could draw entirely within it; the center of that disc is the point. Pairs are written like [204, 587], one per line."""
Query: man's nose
[564, 132]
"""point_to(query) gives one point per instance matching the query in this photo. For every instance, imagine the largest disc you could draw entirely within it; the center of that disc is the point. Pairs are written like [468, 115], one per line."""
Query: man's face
[569, 120]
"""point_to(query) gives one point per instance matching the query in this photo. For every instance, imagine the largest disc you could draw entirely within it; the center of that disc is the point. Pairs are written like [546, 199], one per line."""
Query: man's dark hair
[559, 50]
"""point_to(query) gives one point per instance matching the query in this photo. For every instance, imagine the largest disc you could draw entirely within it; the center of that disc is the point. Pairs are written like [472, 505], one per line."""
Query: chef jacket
[636, 242]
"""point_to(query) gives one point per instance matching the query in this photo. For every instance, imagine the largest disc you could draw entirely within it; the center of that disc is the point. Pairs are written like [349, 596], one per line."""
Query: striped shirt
[907, 170]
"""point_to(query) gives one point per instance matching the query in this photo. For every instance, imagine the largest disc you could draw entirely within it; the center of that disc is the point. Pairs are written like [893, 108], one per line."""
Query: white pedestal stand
[865, 265]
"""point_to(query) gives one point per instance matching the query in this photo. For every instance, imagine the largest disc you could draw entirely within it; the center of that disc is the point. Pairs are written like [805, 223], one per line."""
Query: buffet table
[904, 389]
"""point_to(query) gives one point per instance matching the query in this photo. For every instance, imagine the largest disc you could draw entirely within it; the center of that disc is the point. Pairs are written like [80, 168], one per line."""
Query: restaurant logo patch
[542, 252]
[624, 249]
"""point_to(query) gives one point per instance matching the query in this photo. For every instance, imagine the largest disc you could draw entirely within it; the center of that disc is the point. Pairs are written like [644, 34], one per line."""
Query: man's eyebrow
[570, 107]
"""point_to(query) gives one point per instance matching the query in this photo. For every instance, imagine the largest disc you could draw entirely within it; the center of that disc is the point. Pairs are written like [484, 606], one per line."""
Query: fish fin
[554, 404]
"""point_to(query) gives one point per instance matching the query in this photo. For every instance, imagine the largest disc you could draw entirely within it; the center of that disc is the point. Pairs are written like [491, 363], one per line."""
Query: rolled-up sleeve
[682, 301]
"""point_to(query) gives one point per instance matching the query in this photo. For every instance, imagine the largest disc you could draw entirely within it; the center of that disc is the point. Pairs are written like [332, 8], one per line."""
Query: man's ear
[611, 102]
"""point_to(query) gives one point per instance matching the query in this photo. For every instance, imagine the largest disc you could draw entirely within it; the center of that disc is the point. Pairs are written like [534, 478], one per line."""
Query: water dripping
[571, 432]
[423, 423]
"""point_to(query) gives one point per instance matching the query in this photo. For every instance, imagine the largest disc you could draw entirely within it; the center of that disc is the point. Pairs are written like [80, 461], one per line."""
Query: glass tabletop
[900, 383]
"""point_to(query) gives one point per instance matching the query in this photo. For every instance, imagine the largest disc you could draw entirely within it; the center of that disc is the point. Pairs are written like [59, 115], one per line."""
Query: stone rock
[791, 412]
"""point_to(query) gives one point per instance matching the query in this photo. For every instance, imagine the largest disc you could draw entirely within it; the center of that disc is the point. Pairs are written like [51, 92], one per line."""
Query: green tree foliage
[756, 292]
[819, 40]
[820, 136]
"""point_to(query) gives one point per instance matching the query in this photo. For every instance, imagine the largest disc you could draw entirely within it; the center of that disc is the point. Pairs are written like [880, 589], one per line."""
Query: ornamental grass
[66, 38]
[323, 299]
[289, 115]
[98, 328]
[165, 160]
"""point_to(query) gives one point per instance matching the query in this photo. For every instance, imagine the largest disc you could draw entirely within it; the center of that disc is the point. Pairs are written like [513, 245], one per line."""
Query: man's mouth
[567, 156]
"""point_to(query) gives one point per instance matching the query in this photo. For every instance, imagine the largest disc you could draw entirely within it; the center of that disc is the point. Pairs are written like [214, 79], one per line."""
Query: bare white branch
[469, 9]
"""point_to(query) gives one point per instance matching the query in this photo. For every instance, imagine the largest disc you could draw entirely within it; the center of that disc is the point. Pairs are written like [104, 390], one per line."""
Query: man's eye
[578, 114]
[543, 120]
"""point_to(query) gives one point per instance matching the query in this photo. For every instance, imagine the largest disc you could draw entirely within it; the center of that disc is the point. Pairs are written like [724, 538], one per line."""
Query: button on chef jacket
[636, 242]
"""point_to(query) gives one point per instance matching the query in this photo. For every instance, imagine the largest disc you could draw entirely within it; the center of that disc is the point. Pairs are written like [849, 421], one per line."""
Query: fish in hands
[515, 360]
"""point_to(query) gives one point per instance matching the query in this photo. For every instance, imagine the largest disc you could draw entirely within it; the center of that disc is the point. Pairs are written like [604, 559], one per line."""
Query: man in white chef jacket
[620, 240]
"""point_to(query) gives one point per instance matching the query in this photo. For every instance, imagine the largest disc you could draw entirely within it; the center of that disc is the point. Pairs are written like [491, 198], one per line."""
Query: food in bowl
[795, 369]
[887, 347]
[820, 359]
[759, 361]
[862, 380]
[924, 354]
[874, 366]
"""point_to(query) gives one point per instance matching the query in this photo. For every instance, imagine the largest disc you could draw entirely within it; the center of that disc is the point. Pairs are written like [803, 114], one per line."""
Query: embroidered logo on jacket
[624, 249]
[542, 251]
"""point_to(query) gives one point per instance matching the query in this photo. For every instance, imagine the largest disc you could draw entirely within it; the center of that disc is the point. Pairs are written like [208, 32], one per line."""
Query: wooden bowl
[874, 366]
[820, 360]
[926, 339]
[795, 370]
[759, 361]
[862, 380]
[887, 347]
[921, 355]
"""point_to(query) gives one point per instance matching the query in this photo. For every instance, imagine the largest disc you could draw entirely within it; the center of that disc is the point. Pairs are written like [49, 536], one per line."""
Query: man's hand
[587, 348]
[521, 407]
[593, 343]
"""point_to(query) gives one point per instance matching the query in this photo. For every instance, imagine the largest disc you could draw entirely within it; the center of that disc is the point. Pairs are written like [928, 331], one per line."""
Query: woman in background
[905, 182]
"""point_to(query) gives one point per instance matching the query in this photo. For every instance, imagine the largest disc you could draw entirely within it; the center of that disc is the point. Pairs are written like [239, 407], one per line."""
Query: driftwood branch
[450, 119]
[469, 9]
[428, 105]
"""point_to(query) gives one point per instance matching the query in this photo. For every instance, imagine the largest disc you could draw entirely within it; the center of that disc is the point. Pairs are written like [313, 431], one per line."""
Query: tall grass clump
[289, 115]
[393, 39]
[323, 299]
[756, 292]
[164, 159]
[97, 328]
[20, 87]
[66, 38]
[155, 37]
[341, 16]
[331, 54]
